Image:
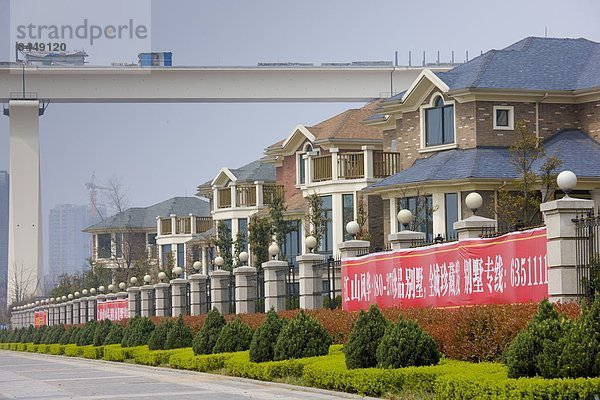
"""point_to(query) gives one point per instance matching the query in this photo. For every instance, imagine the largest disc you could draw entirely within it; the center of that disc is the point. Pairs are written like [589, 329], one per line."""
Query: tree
[238, 246]
[522, 205]
[224, 242]
[316, 219]
[259, 238]
[421, 208]
[22, 283]
[280, 226]
[362, 217]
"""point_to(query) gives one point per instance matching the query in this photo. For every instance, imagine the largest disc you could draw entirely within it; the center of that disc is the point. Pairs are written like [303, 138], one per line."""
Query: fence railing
[493, 231]
[270, 192]
[166, 226]
[245, 196]
[204, 224]
[183, 225]
[587, 249]
[224, 198]
[437, 239]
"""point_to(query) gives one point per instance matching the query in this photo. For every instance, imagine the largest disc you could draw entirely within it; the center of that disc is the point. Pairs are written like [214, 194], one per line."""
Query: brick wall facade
[474, 125]
[286, 176]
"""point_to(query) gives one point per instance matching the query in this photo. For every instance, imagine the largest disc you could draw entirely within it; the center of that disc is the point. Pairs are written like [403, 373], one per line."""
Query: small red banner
[113, 310]
[40, 318]
[507, 269]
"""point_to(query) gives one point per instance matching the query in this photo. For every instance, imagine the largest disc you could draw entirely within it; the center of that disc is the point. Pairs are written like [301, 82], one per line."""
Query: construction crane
[93, 194]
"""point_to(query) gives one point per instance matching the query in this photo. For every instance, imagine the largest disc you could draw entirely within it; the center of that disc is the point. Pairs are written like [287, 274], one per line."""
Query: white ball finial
[474, 201]
[243, 257]
[197, 265]
[352, 228]
[405, 217]
[147, 279]
[111, 287]
[177, 271]
[93, 291]
[101, 289]
[219, 261]
[77, 294]
[85, 292]
[70, 296]
[64, 298]
[162, 276]
[133, 280]
[122, 285]
[310, 242]
[273, 250]
[566, 181]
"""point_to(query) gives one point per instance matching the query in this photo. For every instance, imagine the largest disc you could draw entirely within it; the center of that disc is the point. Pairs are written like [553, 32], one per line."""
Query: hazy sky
[160, 151]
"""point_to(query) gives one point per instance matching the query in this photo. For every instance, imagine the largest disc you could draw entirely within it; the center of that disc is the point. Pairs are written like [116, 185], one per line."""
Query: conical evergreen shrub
[158, 337]
[361, 349]
[301, 337]
[137, 332]
[205, 340]
[101, 332]
[86, 336]
[115, 336]
[235, 336]
[405, 344]
[179, 335]
[38, 337]
[262, 347]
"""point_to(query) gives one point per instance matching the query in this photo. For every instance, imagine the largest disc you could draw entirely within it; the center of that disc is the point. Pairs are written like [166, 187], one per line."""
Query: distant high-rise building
[3, 238]
[68, 246]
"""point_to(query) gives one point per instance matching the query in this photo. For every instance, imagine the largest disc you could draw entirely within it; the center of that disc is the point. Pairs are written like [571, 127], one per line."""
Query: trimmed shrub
[179, 335]
[404, 344]
[361, 349]
[264, 338]
[65, 337]
[115, 336]
[53, 337]
[72, 350]
[525, 357]
[302, 337]
[113, 352]
[86, 335]
[205, 340]
[137, 332]
[93, 352]
[101, 332]
[57, 349]
[158, 337]
[235, 336]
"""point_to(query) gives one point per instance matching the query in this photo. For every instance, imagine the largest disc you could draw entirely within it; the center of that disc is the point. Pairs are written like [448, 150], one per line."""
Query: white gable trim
[224, 171]
[426, 73]
[302, 129]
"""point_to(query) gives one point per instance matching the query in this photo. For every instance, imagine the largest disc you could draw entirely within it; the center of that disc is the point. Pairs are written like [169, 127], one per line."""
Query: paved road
[37, 376]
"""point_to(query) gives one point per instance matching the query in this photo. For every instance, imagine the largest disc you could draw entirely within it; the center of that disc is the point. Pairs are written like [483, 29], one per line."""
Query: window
[151, 238]
[439, 123]
[302, 165]
[504, 118]
[243, 230]
[422, 209]
[292, 243]
[119, 244]
[104, 244]
[180, 255]
[166, 255]
[347, 214]
[326, 245]
[451, 208]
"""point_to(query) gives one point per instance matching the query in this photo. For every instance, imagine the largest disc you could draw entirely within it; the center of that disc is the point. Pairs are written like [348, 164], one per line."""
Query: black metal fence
[292, 288]
[493, 231]
[331, 273]
[438, 239]
[587, 248]
[260, 291]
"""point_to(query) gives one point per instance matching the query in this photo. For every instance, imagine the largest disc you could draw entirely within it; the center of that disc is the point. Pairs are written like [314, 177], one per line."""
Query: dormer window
[439, 123]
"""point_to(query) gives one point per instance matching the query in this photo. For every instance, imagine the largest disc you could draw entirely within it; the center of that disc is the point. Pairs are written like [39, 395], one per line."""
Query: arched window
[439, 123]
[302, 165]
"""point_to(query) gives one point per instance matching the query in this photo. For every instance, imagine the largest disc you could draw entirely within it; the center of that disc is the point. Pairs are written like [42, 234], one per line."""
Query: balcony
[247, 195]
[353, 165]
[225, 198]
[184, 225]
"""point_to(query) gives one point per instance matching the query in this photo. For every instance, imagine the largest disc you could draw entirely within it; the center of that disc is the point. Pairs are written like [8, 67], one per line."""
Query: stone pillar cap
[121, 295]
[219, 272]
[133, 289]
[310, 257]
[178, 281]
[405, 235]
[354, 244]
[197, 277]
[474, 221]
[275, 264]
[162, 285]
[567, 203]
[244, 270]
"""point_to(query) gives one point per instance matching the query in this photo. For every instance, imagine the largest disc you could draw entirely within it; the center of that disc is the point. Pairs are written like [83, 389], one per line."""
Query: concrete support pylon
[25, 211]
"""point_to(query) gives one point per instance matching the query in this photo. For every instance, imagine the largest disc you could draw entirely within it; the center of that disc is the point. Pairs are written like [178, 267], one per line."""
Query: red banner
[40, 318]
[114, 310]
[507, 269]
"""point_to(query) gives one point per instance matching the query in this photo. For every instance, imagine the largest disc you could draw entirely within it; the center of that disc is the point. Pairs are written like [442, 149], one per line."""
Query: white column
[393, 216]
[335, 174]
[337, 221]
[259, 193]
[192, 224]
[25, 211]
[368, 160]
[439, 216]
[233, 196]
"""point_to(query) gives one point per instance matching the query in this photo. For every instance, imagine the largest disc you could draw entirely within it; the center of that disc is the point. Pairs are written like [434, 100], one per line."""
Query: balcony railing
[351, 165]
[166, 228]
[385, 164]
[184, 225]
[203, 224]
[245, 196]
[270, 191]
[322, 168]
[225, 198]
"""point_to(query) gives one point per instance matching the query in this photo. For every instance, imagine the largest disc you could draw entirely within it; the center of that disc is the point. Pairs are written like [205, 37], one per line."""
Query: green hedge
[43, 349]
[31, 347]
[93, 352]
[202, 363]
[72, 350]
[57, 349]
[113, 352]
[156, 357]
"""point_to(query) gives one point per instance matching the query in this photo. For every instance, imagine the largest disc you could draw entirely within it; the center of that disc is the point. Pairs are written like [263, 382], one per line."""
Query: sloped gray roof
[255, 171]
[533, 63]
[144, 218]
[578, 151]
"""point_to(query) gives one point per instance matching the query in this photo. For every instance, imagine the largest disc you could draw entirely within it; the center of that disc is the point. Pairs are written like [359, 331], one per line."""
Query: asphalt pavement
[34, 376]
